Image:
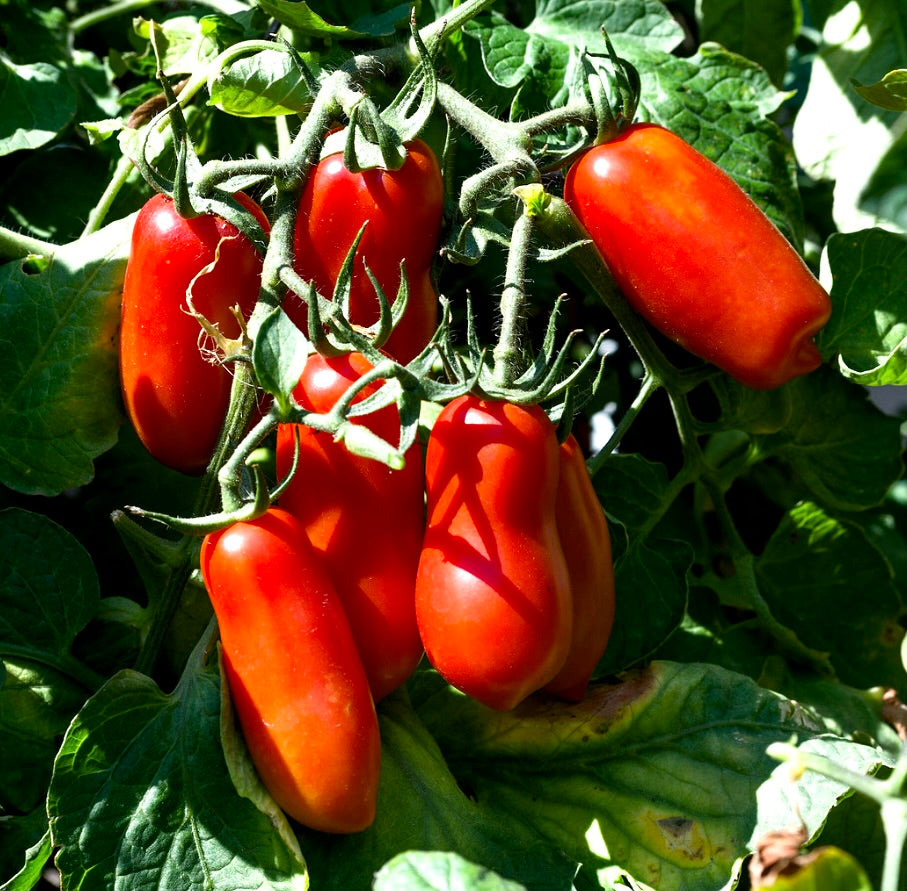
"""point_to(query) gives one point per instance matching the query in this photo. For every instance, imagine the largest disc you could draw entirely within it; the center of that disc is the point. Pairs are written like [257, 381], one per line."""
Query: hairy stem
[513, 300]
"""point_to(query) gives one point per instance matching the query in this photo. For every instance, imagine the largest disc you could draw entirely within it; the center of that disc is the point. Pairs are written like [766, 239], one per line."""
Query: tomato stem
[449, 23]
[122, 173]
[17, 245]
[507, 353]
[650, 384]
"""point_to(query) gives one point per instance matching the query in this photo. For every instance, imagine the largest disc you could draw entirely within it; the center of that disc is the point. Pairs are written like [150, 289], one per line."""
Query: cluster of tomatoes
[491, 553]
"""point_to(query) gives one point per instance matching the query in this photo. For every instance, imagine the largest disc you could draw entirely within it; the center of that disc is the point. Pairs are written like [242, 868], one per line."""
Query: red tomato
[175, 398]
[583, 532]
[403, 209]
[294, 673]
[493, 593]
[364, 520]
[696, 257]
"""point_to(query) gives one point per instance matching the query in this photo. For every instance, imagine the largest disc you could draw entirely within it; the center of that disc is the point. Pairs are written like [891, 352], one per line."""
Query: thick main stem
[513, 300]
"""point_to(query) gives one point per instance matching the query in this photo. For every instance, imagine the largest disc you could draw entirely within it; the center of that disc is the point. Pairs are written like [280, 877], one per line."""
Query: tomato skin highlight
[492, 592]
[697, 258]
[364, 520]
[403, 209]
[295, 677]
[175, 399]
[584, 536]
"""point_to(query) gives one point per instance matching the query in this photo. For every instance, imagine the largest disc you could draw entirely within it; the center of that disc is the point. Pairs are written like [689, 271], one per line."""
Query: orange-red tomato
[697, 258]
[493, 592]
[175, 397]
[364, 520]
[294, 673]
[403, 209]
[583, 532]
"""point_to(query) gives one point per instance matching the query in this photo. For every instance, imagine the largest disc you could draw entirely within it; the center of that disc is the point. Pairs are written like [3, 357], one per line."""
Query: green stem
[507, 143]
[748, 584]
[166, 609]
[513, 300]
[894, 819]
[16, 245]
[284, 137]
[650, 384]
[579, 114]
[230, 473]
[241, 398]
[99, 213]
[450, 23]
[865, 785]
[558, 223]
[898, 778]
[95, 17]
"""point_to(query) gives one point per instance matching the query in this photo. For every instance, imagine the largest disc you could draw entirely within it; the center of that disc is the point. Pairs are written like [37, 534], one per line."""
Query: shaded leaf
[846, 465]
[60, 405]
[868, 327]
[38, 101]
[810, 571]
[141, 787]
[653, 778]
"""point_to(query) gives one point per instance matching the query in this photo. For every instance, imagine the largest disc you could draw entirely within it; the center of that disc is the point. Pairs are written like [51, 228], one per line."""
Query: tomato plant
[695, 256]
[492, 592]
[175, 396]
[401, 210]
[294, 673]
[738, 486]
[363, 519]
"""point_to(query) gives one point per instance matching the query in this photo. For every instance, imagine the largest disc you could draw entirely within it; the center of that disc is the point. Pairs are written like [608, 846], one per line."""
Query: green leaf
[422, 808]
[38, 101]
[185, 45]
[425, 871]
[847, 712]
[885, 195]
[838, 136]
[889, 93]
[753, 411]
[300, 17]
[37, 703]
[809, 573]
[759, 30]
[265, 84]
[34, 35]
[50, 589]
[856, 826]
[868, 327]
[631, 488]
[649, 580]
[25, 847]
[846, 465]
[537, 59]
[649, 574]
[279, 355]
[728, 77]
[662, 777]
[60, 405]
[140, 786]
[50, 592]
[641, 22]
